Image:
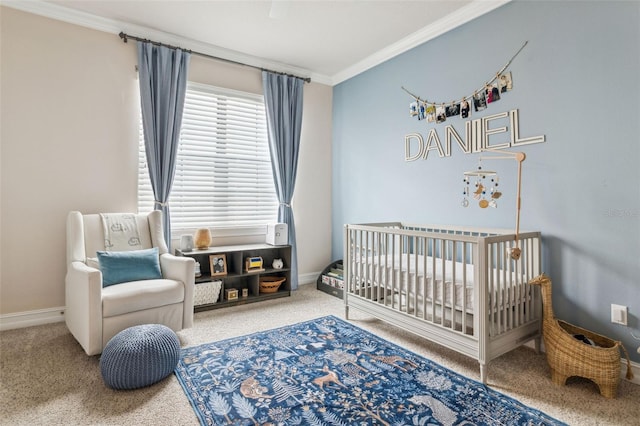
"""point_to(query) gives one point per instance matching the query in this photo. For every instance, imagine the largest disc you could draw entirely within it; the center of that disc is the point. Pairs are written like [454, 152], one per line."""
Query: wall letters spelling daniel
[476, 137]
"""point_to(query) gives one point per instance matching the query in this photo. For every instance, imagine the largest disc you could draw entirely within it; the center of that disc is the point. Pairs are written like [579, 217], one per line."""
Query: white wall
[69, 114]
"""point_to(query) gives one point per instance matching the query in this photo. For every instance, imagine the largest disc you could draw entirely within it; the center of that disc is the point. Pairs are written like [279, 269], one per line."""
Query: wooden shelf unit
[237, 277]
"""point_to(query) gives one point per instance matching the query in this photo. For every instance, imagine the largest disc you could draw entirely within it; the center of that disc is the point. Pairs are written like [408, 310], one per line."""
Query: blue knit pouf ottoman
[139, 356]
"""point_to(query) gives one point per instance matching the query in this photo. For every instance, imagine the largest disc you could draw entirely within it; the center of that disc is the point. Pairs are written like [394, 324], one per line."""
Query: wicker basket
[568, 356]
[270, 284]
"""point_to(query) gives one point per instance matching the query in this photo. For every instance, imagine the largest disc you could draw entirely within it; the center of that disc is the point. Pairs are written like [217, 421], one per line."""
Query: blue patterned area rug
[329, 372]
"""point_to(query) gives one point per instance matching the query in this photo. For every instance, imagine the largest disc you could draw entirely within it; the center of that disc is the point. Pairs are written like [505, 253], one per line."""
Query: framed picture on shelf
[218, 264]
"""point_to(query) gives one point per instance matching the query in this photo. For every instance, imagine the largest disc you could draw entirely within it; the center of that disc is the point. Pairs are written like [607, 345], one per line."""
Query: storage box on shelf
[207, 293]
[241, 282]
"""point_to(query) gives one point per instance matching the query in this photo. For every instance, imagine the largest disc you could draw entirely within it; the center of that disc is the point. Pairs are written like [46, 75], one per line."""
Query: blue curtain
[283, 104]
[162, 73]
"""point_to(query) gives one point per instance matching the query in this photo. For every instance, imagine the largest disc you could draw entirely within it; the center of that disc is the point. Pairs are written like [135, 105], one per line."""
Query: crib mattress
[412, 277]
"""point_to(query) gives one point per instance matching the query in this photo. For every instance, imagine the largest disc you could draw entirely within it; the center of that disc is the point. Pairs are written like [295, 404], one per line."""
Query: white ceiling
[329, 41]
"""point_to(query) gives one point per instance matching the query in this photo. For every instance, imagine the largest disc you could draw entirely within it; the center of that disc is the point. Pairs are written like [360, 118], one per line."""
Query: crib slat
[494, 290]
[406, 251]
[433, 280]
[389, 267]
[518, 289]
[384, 242]
[508, 289]
[363, 264]
[529, 293]
[416, 276]
[443, 300]
[425, 277]
[377, 264]
[464, 288]
[395, 301]
[454, 296]
[503, 307]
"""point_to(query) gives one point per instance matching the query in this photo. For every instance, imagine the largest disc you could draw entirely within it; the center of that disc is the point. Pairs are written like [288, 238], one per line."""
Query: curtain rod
[126, 37]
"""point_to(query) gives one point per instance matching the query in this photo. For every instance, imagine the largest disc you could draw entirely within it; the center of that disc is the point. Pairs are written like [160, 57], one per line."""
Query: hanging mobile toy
[495, 194]
[481, 189]
[465, 192]
[480, 176]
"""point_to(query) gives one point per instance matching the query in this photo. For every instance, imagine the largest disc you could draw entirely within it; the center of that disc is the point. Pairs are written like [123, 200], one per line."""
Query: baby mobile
[481, 193]
[490, 92]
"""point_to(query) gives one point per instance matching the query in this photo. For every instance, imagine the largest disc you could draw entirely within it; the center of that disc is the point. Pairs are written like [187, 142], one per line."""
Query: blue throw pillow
[122, 266]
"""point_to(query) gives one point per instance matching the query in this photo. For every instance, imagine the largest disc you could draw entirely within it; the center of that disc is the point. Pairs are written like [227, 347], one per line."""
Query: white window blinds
[223, 176]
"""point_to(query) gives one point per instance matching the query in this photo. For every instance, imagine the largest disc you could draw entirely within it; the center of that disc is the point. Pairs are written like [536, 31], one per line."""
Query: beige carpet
[45, 377]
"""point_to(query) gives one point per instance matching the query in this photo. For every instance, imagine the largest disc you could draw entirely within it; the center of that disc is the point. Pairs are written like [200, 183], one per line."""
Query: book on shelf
[335, 273]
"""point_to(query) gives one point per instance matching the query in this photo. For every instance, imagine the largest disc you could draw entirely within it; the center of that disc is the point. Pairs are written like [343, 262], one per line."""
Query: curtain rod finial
[123, 36]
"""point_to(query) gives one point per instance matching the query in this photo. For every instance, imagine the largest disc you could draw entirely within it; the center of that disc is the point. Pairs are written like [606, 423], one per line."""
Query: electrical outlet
[618, 314]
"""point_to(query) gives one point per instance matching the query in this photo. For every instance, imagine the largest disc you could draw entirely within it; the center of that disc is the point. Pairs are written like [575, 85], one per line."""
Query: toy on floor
[569, 356]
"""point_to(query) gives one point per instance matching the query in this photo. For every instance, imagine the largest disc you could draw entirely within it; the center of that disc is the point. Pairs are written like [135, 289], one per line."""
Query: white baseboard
[635, 368]
[309, 278]
[31, 318]
[53, 315]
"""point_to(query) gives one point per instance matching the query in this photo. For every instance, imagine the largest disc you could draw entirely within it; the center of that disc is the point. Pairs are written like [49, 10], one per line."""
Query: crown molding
[460, 17]
[60, 13]
[473, 10]
[87, 20]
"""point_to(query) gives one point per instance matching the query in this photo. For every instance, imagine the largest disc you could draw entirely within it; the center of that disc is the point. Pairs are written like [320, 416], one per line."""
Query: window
[223, 175]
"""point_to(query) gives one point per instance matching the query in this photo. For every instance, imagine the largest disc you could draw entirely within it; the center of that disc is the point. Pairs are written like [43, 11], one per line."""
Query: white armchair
[94, 314]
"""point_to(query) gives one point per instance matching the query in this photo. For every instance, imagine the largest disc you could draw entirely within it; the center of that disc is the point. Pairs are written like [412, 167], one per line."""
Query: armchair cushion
[140, 295]
[124, 266]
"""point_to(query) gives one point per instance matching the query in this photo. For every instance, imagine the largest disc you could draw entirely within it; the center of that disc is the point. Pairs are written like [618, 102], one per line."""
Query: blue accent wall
[578, 83]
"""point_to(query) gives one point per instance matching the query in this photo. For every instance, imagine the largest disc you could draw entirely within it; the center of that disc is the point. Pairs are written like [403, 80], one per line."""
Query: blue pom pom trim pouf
[139, 356]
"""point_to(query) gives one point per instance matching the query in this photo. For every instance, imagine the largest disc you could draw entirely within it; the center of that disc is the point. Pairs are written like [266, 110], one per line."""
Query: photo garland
[490, 92]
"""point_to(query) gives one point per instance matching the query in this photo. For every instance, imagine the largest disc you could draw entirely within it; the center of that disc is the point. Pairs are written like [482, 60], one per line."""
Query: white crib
[455, 286]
